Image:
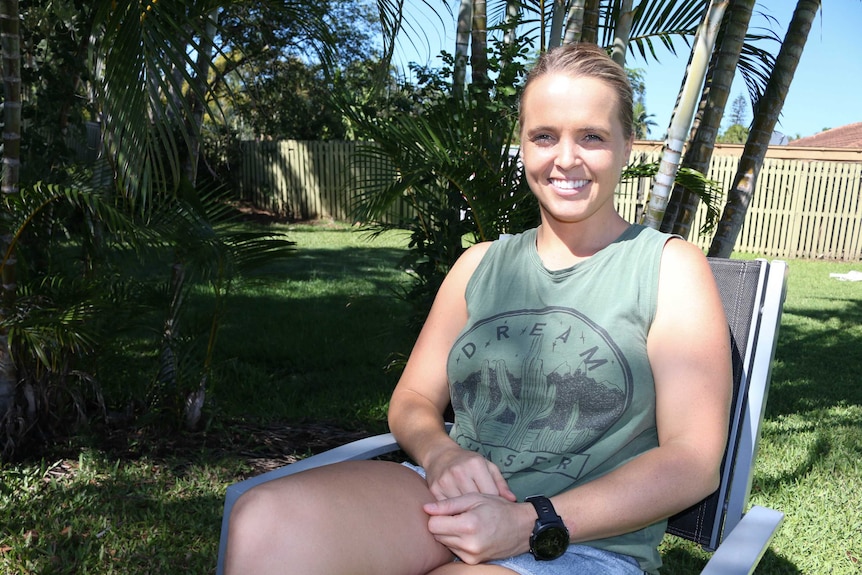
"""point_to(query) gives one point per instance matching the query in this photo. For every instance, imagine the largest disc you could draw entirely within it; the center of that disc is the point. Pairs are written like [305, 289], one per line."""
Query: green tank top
[550, 378]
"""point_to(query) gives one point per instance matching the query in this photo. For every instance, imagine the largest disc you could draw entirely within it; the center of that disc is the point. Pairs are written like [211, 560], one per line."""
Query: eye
[594, 138]
[541, 139]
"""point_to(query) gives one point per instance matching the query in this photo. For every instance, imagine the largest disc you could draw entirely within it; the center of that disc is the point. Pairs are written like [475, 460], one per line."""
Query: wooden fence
[802, 208]
[307, 180]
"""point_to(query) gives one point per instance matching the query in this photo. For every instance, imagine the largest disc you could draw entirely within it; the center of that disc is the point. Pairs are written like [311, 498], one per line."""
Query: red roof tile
[849, 136]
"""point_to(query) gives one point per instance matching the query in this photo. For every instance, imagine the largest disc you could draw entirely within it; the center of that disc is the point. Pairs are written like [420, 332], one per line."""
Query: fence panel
[800, 209]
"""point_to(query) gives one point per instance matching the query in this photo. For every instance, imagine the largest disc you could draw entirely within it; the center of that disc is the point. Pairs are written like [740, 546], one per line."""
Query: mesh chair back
[741, 285]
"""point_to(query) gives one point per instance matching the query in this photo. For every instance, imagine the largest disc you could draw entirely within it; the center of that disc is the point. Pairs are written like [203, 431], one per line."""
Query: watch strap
[544, 508]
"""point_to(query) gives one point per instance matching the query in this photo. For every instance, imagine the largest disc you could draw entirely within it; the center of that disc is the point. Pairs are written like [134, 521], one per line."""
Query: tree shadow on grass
[687, 560]
[378, 264]
[817, 365]
[150, 520]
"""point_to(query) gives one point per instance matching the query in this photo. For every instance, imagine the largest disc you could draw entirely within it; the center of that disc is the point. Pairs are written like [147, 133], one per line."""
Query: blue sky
[826, 91]
[827, 88]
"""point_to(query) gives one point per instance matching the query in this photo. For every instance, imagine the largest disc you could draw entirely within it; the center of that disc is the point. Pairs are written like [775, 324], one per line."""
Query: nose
[568, 155]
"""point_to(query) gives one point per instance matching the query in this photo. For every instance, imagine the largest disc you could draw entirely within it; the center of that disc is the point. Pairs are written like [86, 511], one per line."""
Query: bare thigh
[352, 518]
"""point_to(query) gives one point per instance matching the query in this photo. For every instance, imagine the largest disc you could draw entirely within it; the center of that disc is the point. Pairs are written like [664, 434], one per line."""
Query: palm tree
[683, 203]
[664, 21]
[767, 111]
[11, 66]
[154, 91]
[621, 33]
[574, 22]
[479, 47]
[590, 24]
[683, 114]
[462, 46]
[643, 121]
[150, 76]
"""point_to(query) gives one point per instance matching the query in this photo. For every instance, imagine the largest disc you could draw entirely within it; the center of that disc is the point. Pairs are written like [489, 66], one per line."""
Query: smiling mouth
[569, 184]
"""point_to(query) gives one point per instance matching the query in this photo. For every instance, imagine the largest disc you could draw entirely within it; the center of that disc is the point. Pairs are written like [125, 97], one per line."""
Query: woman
[579, 357]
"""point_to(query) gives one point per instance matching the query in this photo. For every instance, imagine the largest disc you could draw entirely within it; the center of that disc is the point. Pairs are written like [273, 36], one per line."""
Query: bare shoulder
[687, 288]
[450, 303]
[467, 263]
[474, 254]
[683, 261]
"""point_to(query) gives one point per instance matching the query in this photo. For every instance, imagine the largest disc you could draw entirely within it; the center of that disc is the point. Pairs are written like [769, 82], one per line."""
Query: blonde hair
[590, 61]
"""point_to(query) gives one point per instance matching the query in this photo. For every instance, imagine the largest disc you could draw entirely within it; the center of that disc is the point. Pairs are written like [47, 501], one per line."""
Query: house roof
[849, 136]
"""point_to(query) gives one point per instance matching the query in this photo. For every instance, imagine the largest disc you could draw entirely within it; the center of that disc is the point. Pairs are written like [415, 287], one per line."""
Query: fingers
[502, 485]
[478, 527]
[452, 525]
[471, 474]
[453, 506]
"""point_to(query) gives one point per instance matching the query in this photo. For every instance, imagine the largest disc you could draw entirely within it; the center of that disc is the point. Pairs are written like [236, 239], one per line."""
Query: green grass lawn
[309, 343]
[314, 333]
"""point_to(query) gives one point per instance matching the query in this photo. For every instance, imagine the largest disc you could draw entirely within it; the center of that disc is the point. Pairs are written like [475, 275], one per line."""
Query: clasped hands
[476, 515]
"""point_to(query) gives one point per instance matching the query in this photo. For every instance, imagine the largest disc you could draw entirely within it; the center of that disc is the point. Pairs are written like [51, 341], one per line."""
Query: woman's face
[572, 146]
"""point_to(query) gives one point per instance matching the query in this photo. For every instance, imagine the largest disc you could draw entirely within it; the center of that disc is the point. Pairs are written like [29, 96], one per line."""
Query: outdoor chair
[753, 294]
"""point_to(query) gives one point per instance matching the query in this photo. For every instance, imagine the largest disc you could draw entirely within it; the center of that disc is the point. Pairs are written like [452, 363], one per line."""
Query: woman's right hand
[454, 471]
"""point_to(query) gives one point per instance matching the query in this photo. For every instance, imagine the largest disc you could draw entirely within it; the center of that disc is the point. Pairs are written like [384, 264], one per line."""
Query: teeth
[570, 184]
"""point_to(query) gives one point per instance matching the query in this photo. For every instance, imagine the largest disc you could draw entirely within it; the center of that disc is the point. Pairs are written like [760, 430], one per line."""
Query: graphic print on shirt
[546, 382]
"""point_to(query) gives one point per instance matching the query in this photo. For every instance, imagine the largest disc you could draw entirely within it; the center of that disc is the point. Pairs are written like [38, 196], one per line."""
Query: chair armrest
[741, 550]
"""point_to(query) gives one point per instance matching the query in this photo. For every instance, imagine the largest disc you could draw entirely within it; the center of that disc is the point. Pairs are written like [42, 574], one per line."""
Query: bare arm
[689, 351]
[422, 394]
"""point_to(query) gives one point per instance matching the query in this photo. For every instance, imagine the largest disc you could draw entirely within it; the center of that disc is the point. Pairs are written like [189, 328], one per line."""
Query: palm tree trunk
[765, 117]
[590, 24]
[684, 113]
[683, 204]
[11, 57]
[479, 45]
[621, 33]
[200, 78]
[462, 47]
[557, 17]
[513, 12]
[574, 22]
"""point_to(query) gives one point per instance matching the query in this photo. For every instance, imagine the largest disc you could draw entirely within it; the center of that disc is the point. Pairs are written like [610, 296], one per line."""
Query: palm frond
[54, 320]
[710, 192]
[665, 21]
[756, 64]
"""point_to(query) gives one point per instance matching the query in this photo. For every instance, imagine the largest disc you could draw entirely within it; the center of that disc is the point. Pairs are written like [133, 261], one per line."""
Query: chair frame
[739, 538]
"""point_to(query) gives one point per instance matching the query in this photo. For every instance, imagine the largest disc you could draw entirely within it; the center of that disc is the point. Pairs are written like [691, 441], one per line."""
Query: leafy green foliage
[208, 250]
[664, 21]
[86, 243]
[708, 191]
[278, 76]
[89, 269]
[735, 134]
[455, 163]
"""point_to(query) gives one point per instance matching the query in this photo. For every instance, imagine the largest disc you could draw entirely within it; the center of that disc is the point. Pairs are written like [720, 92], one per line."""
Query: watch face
[550, 542]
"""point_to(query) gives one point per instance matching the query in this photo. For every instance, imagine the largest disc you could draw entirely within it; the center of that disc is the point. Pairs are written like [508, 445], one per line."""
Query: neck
[563, 244]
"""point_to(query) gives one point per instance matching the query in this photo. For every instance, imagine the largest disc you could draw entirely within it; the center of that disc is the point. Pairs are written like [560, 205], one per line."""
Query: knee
[252, 529]
[247, 512]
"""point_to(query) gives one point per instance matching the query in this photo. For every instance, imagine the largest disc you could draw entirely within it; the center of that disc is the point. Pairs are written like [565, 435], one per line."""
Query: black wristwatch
[550, 538]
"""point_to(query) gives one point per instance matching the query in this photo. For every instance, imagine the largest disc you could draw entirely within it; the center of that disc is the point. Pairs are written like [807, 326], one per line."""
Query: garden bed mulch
[266, 447]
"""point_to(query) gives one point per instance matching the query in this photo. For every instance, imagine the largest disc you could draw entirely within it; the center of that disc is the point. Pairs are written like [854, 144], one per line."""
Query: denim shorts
[578, 559]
